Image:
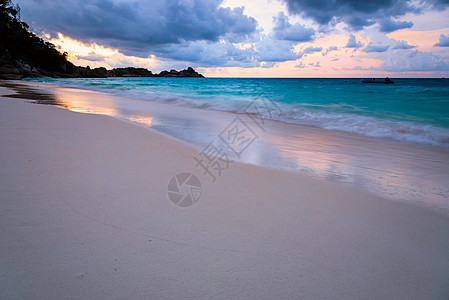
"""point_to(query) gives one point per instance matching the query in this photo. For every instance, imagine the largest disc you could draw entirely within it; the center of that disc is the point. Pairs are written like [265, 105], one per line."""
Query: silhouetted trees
[17, 43]
[23, 54]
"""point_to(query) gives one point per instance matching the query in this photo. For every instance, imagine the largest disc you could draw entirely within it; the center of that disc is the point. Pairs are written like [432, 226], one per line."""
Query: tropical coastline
[397, 170]
[76, 217]
[310, 161]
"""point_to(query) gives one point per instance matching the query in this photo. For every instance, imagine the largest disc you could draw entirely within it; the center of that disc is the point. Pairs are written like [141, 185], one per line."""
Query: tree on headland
[19, 45]
[23, 54]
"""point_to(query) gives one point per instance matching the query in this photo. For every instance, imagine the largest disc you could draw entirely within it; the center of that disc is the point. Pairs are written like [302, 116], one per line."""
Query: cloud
[389, 25]
[268, 65]
[358, 14]
[270, 50]
[331, 48]
[137, 27]
[208, 54]
[312, 49]
[309, 50]
[413, 61]
[283, 30]
[92, 56]
[301, 65]
[266, 53]
[403, 45]
[352, 42]
[443, 42]
[360, 68]
[375, 48]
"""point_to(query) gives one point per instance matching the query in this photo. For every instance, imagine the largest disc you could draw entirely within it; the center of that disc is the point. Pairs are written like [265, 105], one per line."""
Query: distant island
[23, 54]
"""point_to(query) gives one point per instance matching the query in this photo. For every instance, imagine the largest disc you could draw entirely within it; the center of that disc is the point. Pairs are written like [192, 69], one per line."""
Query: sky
[251, 38]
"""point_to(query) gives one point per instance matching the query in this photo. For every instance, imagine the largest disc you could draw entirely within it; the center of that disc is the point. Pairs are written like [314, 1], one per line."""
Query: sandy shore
[85, 214]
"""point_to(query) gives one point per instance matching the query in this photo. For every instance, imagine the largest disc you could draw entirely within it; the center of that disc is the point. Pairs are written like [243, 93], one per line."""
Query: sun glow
[96, 55]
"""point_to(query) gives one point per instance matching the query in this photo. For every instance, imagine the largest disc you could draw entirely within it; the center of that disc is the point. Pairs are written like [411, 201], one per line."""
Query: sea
[411, 110]
[390, 139]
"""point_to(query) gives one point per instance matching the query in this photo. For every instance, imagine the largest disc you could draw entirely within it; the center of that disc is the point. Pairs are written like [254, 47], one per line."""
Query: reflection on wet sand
[23, 91]
[391, 169]
[142, 119]
[79, 101]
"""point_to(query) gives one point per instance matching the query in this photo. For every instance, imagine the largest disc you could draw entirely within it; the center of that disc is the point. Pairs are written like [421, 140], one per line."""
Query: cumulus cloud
[389, 25]
[269, 50]
[137, 27]
[353, 43]
[329, 49]
[414, 61]
[375, 48]
[209, 54]
[443, 42]
[358, 14]
[403, 45]
[283, 30]
[309, 50]
[312, 49]
[266, 53]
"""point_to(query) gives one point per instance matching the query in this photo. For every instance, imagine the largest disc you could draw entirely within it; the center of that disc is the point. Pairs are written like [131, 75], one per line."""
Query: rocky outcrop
[189, 72]
[11, 69]
[129, 72]
[23, 54]
[16, 69]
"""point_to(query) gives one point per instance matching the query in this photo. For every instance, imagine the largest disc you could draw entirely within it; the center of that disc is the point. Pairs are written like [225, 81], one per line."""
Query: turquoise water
[412, 110]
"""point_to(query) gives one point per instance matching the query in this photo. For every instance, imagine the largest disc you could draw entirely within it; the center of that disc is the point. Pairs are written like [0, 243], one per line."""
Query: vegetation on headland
[23, 54]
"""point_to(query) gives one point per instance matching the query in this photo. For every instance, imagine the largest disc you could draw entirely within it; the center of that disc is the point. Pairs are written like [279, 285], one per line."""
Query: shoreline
[408, 131]
[399, 171]
[85, 211]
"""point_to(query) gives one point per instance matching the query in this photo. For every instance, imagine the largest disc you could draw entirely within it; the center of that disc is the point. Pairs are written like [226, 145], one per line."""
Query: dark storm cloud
[283, 30]
[209, 54]
[444, 41]
[358, 14]
[137, 27]
[389, 25]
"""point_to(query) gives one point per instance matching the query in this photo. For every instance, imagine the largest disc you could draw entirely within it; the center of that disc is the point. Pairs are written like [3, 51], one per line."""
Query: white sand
[84, 214]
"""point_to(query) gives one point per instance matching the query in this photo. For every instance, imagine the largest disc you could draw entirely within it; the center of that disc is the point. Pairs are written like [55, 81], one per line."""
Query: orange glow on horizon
[342, 62]
[96, 55]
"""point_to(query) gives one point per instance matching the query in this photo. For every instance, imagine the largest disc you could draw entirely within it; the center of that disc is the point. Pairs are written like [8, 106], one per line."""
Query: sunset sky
[251, 38]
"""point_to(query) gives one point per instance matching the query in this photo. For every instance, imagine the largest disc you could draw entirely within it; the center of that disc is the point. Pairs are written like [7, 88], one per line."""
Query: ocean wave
[309, 114]
[369, 126]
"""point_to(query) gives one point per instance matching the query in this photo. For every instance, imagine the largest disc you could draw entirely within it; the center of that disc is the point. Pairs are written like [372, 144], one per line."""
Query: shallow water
[412, 110]
[392, 169]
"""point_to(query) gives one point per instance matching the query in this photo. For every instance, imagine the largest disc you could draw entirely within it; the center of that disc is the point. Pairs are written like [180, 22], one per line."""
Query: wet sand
[395, 170]
[85, 214]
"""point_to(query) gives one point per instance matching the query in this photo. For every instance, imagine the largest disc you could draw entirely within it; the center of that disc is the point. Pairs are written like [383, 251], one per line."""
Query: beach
[85, 214]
